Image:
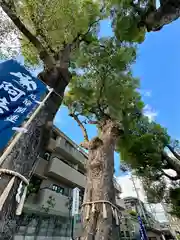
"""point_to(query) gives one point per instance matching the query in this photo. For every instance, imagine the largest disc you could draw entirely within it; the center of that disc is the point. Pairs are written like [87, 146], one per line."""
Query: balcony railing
[69, 151]
[48, 202]
[61, 171]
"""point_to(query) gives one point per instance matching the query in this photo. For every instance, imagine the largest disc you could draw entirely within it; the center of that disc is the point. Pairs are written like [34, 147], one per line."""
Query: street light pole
[138, 197]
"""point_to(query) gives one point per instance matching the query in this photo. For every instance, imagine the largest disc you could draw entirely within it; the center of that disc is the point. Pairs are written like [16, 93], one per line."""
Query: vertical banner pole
[17, 137]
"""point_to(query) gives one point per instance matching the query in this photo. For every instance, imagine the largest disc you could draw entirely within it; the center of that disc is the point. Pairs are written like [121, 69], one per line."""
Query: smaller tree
[149, 151]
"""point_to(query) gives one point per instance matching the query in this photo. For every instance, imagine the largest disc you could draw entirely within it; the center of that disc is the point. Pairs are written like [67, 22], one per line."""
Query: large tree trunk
[24, 156]
[99, 186]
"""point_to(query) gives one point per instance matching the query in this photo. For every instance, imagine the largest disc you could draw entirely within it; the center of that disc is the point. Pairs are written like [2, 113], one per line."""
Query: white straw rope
[101, 201]
[16, 174]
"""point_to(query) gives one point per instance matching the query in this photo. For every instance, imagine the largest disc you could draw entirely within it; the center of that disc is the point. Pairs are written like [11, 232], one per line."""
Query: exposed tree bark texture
[85, 143]
[172, 178]
[99, 186]
[24, 156]
[168, 12]
[25, 153]
[172, 163]
[174, 152]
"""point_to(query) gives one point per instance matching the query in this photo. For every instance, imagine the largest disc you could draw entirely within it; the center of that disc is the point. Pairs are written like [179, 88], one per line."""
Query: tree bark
[99, 186]
[168, 12]
[172, 163]
[25, 154]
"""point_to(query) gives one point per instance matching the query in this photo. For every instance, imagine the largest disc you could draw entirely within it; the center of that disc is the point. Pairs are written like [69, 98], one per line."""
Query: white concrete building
[128, 190]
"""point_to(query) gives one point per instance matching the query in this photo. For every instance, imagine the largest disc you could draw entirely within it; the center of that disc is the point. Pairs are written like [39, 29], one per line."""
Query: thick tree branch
[102, 87]
[93, 122]
[168, 12]
[84, 144]
[45, 57]
[82, 36]
[89, 28]
[173, 178]
[171, 163]
[173, 151]
[39, 31]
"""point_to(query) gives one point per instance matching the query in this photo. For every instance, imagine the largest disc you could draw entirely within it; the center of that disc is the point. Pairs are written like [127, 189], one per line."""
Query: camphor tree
[49, 33]
[149, 151]
[103, 92]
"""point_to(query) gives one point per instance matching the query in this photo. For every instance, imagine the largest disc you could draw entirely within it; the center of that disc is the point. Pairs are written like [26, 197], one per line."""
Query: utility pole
[138, 197]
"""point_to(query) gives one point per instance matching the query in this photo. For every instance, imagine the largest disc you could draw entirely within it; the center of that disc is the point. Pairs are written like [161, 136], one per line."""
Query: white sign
[75, 203]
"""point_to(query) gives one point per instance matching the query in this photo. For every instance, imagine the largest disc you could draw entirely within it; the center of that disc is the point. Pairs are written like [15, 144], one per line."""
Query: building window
[58, 189]
[122, 234]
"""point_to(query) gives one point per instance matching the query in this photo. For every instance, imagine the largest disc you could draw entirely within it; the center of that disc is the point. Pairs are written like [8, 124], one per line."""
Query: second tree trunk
[99, 186]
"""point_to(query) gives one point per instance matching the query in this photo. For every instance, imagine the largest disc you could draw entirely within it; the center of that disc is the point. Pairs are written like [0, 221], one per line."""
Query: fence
[35, 227]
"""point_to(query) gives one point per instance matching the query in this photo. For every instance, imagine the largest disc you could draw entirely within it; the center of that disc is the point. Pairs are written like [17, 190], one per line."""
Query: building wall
[38, 227]
[57, 183]
[153, 236]
[54, 221]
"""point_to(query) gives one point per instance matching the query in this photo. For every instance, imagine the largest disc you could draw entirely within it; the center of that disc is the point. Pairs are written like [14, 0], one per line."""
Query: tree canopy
[103, 87]
[149, 151]
[102, 84]
[54, 23]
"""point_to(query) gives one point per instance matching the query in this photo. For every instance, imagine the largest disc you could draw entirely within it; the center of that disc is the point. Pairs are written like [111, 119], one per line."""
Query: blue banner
[142, 230]
[19, 91]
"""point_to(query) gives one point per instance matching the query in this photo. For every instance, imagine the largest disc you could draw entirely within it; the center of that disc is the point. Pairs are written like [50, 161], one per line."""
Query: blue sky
[158, 67]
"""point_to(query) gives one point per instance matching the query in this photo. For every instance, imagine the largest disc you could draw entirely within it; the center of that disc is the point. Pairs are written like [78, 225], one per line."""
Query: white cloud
[150, 113]
[147, 94]
[128, 188]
